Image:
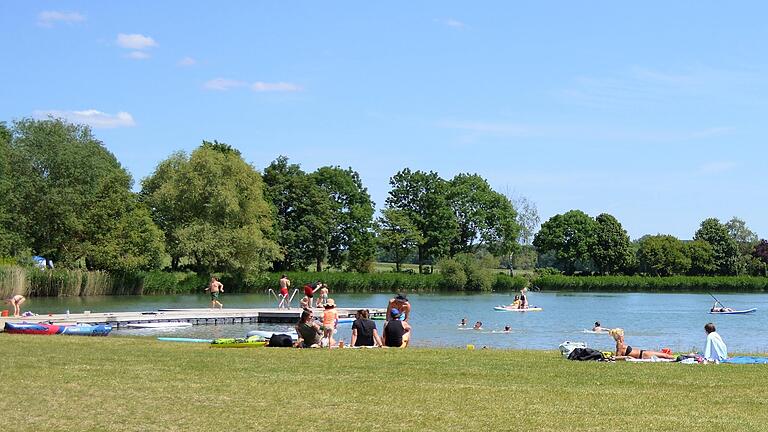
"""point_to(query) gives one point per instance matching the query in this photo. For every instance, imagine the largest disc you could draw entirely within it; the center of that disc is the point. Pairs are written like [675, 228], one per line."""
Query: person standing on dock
[16, 301]
[323, 299]
[215, 288]
[285, 283]
[401, 304]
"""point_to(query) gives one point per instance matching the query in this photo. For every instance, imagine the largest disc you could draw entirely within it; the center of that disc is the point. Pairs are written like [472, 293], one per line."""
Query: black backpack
[584, 354]
[280, 341]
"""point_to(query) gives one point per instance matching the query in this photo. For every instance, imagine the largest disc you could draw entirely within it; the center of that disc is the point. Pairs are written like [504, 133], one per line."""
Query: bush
[650, 283]
[453, 274]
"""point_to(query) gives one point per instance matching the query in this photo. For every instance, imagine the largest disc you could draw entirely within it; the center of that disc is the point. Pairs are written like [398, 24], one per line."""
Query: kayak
[49, 329]
[159, 325]
[32, 328]
[735, 312]
[511, 309]
[250, 342]
[87, 330]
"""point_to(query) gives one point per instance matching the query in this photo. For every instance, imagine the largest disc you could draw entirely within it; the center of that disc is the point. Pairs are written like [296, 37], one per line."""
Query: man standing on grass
[215, 287]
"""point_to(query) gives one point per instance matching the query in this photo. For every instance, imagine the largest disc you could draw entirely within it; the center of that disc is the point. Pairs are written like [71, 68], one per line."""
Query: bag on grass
[567, 347]
[584, 354]
[280, 341]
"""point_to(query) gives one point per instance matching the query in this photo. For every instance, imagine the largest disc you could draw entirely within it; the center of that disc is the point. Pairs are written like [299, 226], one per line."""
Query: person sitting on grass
[714, 350]
[308, 330]
[364, 331]
[624, 351]
[396, 333]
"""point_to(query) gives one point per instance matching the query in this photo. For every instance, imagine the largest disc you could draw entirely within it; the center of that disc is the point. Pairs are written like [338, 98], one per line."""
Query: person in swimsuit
[285, 283]
[507, 329]
[463, 322]
[478, 325]
[624, 351]
[323, 299]
[598, 328]
[215, 288]
[523, 299]
[396, 333]
[721, 308]
[330, 320]
[516, 303]
[310, 289]
[401, 304]
[16, 302]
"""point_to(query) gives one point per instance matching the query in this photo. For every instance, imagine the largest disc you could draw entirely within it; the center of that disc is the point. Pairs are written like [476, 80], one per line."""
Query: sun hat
[394, 312]
[401, 297]
[330, 304]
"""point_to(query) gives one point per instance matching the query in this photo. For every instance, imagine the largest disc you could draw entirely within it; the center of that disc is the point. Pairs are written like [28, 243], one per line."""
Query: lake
[651, 320]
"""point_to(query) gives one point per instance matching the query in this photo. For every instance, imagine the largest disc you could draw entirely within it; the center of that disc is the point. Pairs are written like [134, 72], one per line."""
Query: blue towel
[747, 360]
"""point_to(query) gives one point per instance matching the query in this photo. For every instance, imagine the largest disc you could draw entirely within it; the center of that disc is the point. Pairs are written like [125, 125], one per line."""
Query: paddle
[721, 303]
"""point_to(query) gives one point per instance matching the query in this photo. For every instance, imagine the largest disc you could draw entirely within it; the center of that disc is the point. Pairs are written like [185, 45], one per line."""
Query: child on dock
[215, 288]
[323, 299]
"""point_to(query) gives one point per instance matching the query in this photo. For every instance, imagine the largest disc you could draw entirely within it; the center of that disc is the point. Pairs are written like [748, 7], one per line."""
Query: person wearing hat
[330, 319]
[400, 302]
[396, 333]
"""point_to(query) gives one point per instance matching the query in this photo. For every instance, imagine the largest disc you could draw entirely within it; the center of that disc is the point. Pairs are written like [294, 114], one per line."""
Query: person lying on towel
[624, 351]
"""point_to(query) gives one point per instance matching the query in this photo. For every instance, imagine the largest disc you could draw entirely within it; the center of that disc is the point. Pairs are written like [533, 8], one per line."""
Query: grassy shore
[139, 384]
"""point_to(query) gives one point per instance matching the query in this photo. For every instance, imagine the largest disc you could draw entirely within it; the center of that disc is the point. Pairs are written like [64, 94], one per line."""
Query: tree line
[67, 198]
[574, 242]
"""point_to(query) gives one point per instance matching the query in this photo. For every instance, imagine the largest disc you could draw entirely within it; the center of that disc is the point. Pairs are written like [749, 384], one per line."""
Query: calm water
[651, 321]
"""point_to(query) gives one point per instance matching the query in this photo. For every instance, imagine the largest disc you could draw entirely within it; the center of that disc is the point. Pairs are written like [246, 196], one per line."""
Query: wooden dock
[201, 316]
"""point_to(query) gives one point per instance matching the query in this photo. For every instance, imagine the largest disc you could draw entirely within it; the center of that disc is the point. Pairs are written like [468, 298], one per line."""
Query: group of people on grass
[395, 334]
[715, 349]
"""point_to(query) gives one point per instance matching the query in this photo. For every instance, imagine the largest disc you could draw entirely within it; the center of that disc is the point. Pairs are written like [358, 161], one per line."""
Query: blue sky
[654, 113]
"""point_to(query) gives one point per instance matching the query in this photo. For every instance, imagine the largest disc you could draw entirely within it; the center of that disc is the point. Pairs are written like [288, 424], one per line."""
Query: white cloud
[135, 41]
[224, 84]
[187, 61]
[451, 22]
[260, 86]
[50, 18]
[91, 117]
[138, 55]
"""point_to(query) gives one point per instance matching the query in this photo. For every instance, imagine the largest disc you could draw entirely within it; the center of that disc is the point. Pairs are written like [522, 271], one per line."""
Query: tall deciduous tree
[663, 255]
[9, 239]
[423, 198]
[612, 251]
[485, 217]
[702, 258]
[351, 238]
[570, 237]
[397, 235]
[725, 249]
[65, 180]
[212, 206]
[304, 215]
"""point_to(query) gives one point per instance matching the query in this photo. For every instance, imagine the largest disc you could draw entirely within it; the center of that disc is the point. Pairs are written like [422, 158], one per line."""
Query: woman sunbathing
[624, 351]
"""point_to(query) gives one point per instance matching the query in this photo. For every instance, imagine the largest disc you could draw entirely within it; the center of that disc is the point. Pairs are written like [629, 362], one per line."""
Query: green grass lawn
[71, 383]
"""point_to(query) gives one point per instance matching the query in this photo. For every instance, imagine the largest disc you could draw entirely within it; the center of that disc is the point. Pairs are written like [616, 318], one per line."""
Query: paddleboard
[595, 332]
[735, 312]
[509, 309]
[179, 339]
[159, 325]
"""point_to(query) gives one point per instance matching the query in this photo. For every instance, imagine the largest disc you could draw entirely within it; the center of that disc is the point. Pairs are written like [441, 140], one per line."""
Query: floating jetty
[200, 316]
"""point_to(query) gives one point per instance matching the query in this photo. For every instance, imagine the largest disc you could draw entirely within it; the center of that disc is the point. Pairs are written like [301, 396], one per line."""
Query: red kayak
[33, 328]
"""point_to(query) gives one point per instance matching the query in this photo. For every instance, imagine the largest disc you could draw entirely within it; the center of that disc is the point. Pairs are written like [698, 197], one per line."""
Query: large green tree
[211, 206]
[702, 258]
[423, 198]
[397, 235]
[571, 238]
[352, 243]
[612, 251]
[72, 201]
[662, 255]
[724, 247]
[9, 239]
[304, 215]
[485, 217]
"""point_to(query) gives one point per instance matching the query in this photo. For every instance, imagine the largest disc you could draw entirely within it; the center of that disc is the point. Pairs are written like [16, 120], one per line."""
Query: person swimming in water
[478, 325]
[463, 322]
[507, 329]
[598, 328]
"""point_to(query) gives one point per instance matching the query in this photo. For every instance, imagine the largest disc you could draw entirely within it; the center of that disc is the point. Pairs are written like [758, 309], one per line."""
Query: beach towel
[715, 349]
[746, 360]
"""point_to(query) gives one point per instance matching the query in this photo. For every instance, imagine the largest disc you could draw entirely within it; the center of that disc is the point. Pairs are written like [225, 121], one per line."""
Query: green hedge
[653, 284]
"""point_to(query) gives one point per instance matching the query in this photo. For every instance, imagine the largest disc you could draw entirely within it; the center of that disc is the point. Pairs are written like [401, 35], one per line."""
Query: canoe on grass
[511, 309]
[734, 312]
[49, 329]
